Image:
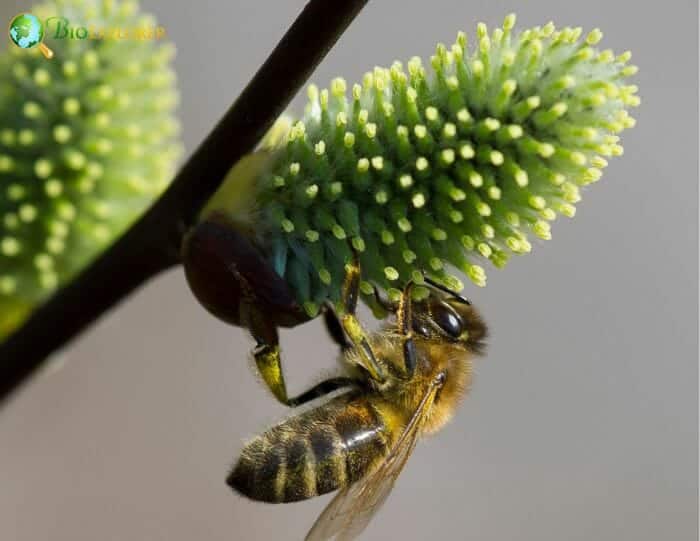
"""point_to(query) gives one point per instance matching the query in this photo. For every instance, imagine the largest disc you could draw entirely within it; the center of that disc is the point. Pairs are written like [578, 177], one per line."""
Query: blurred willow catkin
[88, 140]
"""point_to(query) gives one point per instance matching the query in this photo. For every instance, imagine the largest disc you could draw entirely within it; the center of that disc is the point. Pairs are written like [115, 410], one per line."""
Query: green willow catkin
[433, 169]
[418, 171]
[87, 140]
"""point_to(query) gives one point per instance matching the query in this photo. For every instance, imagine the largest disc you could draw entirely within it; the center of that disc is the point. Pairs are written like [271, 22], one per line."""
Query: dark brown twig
[152, 244]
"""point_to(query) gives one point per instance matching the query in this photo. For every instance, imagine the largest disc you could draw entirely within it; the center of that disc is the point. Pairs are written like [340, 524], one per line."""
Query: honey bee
[403, 382]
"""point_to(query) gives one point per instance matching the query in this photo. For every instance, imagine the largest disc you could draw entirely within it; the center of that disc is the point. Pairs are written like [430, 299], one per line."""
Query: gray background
[582, 421]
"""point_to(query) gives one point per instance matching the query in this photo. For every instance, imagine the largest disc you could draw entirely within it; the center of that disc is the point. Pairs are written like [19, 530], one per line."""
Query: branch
[152, 244]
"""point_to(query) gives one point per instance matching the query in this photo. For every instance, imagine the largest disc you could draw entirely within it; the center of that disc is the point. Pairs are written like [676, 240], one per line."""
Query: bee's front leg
[352, 326]
[404, 322]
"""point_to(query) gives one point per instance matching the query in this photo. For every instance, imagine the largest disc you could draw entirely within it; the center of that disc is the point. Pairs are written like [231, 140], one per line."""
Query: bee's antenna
[444, 289]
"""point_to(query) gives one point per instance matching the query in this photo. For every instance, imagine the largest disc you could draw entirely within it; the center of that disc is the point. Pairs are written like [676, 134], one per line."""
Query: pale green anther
[26, 137]
[53, 187]
[287, 225]
[431, 113]
[578, 158]
[496, 157]
[42, 77]
[463, 116]
[387, 237]
[312, 92]
[43, 168]
[405, 181]
[381, 197]
[371, 130]
[311, 235]
[567, 210]
[491, 124]
[494, 192]
[514, 131]
[377, 163]
[478, 68]
[362, 165]
[449, 130]
[320, 148]
[599, 162]
[513, 244]
[559, 108]
[476, 274]
[43, 262]
[404, 225]
[542, 229]
[338, 232]
[8, 285]
[10, 246]
[338, 87]
[483, 209]
[418, 200]
[341, 120]
[6, 163]
[508, 58]
[509, 86]
[594, 36]
[513, 219]
[421, 164]
[545, 149]
[488, 231]
[628, 71]
[475, 179]
[356, 92]
[61, 133]
[349, 140]
[438, 234]
[447, 156]
[31, 110]
[467, 242]
[74, 159]
[294, 169]
[592, 175]
[15, 192]
[391, 273]
[27, 213]
[509, 22]
[311, 191]
[537, 202]
[466, 151]
[521, 178]
[358, 243]
[420, 131]
[409, 256]
[484, 249]
[606, 56]
[436, 263]
[484, 45]
[548, 214]
[325, 276]
[58, 229]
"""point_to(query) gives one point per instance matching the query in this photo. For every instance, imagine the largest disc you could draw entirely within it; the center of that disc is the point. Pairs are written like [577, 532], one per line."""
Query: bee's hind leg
[352, 326]
[269, 362]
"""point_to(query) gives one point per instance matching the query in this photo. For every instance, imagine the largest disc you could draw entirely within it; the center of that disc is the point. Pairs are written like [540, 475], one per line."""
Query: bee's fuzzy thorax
[427, 168]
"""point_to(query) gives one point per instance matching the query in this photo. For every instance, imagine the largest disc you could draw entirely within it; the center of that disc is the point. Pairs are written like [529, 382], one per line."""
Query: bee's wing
[348, 514]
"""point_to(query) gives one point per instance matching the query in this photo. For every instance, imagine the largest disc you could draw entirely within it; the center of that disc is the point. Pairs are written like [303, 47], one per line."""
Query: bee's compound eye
[448, 320]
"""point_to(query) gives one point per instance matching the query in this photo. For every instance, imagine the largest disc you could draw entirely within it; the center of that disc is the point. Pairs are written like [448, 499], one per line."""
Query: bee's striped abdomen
[314, 453]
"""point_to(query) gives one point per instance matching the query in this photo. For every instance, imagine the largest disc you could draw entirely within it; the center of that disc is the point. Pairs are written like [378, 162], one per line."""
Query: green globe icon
[26, 31]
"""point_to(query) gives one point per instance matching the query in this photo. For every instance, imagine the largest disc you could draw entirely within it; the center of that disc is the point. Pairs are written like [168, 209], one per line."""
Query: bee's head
[449, 317]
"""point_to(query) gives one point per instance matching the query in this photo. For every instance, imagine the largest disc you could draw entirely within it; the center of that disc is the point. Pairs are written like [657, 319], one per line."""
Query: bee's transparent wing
[348, 514]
